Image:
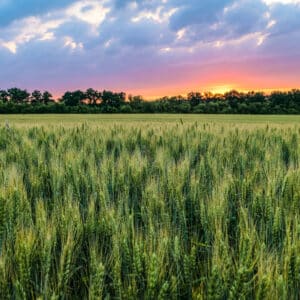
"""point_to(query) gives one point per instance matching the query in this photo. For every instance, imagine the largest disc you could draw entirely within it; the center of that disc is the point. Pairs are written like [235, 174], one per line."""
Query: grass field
[149, 207]
[157, 118]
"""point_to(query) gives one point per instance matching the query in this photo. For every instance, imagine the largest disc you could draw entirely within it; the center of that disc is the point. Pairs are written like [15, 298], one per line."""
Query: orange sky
[217, 89]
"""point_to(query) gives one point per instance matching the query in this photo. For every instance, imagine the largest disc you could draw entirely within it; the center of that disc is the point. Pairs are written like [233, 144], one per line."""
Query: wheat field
[149, 208]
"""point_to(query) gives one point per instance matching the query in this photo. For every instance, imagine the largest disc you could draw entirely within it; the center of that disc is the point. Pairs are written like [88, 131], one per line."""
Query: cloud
[91, 12]
[245, 17]
[287, 18]
[12, 10]
[274, 2]
[81, 18]
[197, 12]
[26, 30]
[102, 41]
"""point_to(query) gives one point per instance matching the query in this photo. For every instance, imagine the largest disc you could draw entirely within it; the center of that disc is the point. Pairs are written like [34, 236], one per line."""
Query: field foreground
[153, 207]
[100, 119]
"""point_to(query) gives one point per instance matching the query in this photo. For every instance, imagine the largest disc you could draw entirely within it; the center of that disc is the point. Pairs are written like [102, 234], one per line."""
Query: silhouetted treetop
[17, 100]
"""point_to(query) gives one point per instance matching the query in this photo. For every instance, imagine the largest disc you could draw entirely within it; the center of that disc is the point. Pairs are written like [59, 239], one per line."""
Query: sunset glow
[151, 48]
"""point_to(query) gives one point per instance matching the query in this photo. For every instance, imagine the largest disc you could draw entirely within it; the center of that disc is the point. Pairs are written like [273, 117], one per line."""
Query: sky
[150, 47]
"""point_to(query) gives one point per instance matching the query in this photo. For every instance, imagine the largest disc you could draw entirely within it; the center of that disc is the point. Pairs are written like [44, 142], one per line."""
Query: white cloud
[108, 43]
[47, 36]
[261, 39]
[42, 28]
[270, 2]
[91, 12]
[69, 42]
[180, 34]
[166, 49]
[27, 30]
[271, 24]
[11, 46]
[157, 15]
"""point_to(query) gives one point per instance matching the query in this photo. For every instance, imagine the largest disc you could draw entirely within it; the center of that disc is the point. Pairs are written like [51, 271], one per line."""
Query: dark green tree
[36, 97]
[195, 98]
[17, 95]
[4, 96]
[93, 96]
[47, 98]
[113, 99]
[233, 97]
[73, 98]
[135, 102]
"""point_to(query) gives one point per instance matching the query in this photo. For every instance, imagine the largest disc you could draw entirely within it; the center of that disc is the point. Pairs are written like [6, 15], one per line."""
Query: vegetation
[175, 210]
[91, 101]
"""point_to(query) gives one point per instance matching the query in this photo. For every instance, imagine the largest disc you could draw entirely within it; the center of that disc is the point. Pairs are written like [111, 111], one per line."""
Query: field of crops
[171, 207]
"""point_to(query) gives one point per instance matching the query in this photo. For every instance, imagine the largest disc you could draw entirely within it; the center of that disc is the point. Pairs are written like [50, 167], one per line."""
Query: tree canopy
[15, 100]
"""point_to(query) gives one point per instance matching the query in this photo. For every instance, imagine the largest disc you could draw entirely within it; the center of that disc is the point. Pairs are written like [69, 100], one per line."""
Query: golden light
[221, 89]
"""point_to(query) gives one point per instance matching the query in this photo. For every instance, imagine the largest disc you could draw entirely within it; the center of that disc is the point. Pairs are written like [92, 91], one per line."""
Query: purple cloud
[123, 44]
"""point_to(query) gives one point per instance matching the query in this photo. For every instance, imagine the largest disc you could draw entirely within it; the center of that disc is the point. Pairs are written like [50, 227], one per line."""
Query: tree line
[17, 100]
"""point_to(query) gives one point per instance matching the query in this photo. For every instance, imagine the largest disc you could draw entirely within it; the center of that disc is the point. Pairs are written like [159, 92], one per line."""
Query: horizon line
[216, 90]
